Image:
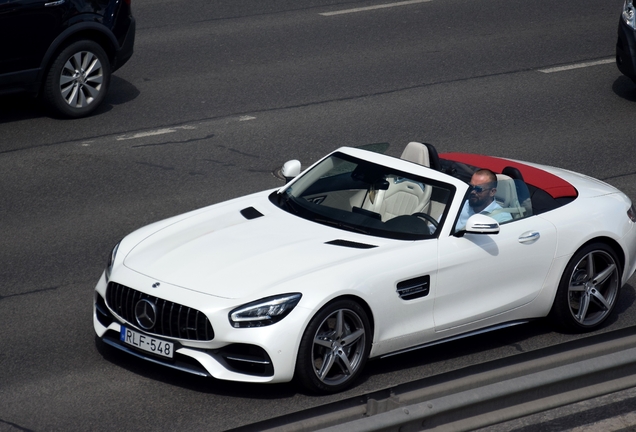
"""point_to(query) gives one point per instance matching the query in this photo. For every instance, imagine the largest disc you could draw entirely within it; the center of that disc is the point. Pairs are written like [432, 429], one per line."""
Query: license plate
[146, 343]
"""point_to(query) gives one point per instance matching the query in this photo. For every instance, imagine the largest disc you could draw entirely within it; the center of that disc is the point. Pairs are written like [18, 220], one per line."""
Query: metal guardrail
[481, 395]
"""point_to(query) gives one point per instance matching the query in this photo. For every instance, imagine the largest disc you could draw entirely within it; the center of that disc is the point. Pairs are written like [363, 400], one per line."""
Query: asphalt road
[216, 97]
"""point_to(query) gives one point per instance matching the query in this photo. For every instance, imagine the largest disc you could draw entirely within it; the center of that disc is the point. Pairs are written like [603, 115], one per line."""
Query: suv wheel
[77, 80]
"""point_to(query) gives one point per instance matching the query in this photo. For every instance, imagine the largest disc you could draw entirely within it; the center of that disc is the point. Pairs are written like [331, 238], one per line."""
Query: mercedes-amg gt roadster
[364, 255]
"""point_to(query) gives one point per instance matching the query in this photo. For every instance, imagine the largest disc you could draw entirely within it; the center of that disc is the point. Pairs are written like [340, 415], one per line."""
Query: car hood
[223, 253]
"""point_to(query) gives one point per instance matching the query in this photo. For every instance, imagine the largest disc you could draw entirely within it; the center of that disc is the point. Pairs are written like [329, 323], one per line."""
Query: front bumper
[258, 355]
[626, 50]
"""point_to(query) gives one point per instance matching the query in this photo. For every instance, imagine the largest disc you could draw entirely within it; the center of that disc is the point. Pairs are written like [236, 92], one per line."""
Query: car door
[404, 296]
[482, 275]
[27, 29]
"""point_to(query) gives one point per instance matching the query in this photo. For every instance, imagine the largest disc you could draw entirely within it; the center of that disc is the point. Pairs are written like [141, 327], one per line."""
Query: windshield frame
[357, 219]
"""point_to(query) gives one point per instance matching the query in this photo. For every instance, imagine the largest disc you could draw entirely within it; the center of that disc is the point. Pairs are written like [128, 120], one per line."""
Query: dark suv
[64, 50]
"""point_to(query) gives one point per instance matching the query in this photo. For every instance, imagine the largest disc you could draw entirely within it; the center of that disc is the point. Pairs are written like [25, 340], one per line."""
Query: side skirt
[456, 337]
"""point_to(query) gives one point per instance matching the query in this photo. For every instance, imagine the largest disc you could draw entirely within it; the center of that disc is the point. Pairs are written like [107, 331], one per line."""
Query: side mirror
[482, 224]
[290, 170]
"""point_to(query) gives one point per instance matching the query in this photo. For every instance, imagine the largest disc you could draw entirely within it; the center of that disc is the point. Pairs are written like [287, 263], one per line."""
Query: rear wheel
[334, 348]
[77, 80]
[588, 290]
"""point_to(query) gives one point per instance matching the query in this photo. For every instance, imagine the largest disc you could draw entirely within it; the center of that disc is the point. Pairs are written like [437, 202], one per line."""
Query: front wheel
[334, 347]
[77, 80]
[588, 290]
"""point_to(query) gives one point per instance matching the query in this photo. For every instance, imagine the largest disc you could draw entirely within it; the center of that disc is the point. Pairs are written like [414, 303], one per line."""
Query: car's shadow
[120, 92]
[18, 107]
[625, 88]
[512, 337]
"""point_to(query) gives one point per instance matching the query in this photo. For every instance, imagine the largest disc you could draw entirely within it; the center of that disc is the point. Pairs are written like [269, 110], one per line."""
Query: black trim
[251, 213]
[101, 311]
[351, 244]
[246, 359]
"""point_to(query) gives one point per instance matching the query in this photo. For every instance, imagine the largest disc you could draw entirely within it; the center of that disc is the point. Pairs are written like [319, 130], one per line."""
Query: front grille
[173, 320]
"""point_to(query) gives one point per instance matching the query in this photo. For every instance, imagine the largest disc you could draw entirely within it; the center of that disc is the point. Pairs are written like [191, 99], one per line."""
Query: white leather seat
[404, 197]
[507, 198]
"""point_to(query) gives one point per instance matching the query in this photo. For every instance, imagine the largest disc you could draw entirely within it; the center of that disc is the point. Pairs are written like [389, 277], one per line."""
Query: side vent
[414, 288]
[351, 244]
[251, 213]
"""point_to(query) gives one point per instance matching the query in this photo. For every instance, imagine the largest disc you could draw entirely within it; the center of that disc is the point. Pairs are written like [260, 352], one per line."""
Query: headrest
[506, 192]
[416, 152]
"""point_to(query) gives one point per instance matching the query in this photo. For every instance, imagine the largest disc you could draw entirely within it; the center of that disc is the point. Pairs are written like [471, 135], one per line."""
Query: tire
[334, 347]
[77, 80]
[585, 299]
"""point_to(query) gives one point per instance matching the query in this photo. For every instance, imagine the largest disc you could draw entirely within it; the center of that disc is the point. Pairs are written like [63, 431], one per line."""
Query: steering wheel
[427, 217]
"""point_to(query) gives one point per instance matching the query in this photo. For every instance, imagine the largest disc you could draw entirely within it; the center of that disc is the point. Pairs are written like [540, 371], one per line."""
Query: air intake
[251, 213]
[351, 244]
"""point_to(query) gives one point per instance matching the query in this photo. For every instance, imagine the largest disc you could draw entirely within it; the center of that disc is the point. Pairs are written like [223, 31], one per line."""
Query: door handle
[54, 3]
[529, 237]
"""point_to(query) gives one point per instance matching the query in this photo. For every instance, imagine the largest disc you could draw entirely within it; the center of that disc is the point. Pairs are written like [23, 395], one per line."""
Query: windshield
[356, 195]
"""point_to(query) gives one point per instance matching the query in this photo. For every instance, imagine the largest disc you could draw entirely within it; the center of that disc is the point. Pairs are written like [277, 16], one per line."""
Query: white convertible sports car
[361, 256]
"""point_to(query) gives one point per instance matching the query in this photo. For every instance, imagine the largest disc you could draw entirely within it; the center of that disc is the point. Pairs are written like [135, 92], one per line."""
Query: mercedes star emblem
[146, 314]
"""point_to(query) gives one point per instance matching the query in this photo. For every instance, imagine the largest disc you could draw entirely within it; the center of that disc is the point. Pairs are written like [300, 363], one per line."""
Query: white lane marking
[382, 6]
[153, 133]
[246, 118]
[578, 65]
[146, 134]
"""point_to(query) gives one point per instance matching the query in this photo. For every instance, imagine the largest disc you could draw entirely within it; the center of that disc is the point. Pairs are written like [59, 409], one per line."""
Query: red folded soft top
[552, 184]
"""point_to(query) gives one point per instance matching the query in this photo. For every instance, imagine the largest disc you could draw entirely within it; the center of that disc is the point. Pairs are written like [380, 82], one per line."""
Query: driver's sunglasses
[479, 189]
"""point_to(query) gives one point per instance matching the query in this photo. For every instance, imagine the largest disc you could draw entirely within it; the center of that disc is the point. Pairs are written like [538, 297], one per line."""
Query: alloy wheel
[81, 79]
[593, 288]
[339, 347]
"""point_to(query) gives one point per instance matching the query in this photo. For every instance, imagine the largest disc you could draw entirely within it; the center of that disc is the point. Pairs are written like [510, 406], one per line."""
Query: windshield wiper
[341, 225]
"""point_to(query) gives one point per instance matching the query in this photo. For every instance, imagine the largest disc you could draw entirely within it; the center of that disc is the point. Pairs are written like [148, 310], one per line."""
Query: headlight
[629, 14]
[264, 312]
[111, 261]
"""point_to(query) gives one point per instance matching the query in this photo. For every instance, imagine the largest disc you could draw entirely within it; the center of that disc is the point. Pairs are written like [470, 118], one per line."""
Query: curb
[510, 399]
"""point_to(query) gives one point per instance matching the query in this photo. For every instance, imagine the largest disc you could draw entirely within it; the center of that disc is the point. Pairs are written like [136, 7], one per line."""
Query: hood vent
[351, 244]
[251, 213]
